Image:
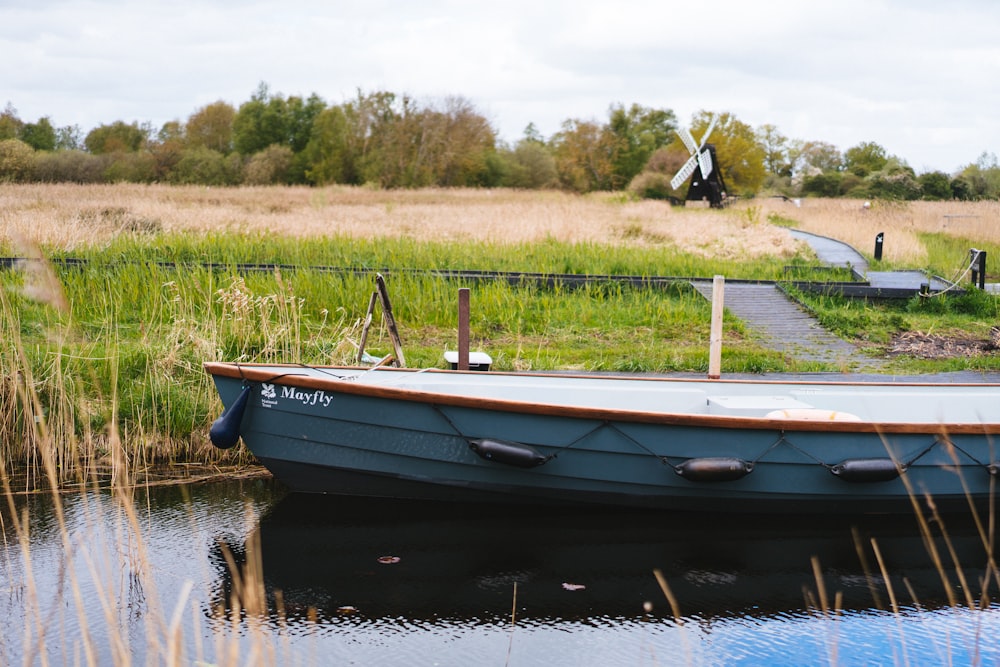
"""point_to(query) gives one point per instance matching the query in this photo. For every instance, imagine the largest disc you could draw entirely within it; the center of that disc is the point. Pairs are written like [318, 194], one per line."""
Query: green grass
[947, 255]
[140, 317]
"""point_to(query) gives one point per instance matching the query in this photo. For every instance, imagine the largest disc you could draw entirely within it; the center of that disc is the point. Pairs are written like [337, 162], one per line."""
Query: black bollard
[977, 262]
[878, 246]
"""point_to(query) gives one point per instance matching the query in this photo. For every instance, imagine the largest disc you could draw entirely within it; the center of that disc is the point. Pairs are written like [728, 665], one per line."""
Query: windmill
[706, 180]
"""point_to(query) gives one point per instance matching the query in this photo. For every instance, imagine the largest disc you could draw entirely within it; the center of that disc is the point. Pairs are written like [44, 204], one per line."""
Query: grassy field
[117, 343]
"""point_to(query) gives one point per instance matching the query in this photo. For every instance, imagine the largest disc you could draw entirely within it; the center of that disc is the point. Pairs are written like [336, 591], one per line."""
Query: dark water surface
[349, 581]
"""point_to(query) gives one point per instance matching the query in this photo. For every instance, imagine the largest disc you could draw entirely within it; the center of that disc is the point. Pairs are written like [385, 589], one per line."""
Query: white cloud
[916, 76]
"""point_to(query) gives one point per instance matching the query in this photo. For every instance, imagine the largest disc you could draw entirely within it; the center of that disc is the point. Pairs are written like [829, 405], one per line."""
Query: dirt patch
[929, 346]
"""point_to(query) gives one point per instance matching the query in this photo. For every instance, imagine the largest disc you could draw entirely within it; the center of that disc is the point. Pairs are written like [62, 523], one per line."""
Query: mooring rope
[957, 280]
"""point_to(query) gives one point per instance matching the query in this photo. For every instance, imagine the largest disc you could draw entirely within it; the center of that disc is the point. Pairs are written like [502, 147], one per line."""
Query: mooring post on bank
[463, 329]
[977, 261]
[715, 337]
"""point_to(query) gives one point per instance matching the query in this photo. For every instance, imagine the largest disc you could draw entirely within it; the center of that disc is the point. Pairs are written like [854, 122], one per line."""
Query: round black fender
[866, 470]
[714, 469]
[510, 453]
[225, 431]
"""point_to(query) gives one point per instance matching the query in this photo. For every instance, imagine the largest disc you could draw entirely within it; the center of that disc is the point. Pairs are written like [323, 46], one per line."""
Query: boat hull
[345, 437]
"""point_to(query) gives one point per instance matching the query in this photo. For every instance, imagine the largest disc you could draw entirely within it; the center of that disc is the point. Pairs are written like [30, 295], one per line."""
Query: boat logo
[268, 396]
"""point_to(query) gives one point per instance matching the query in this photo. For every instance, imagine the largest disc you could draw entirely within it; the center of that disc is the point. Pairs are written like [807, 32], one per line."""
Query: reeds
[924, 234]
[68, 217]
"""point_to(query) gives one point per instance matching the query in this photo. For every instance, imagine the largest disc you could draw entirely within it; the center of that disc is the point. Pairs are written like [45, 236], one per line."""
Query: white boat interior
[886, 402]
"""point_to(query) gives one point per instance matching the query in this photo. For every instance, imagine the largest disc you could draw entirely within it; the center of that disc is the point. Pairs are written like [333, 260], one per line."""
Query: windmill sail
[688, 140]
[705, 162]
[685, 172]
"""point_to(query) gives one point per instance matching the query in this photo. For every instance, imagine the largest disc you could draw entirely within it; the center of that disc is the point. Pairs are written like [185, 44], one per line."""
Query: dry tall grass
[68, 216]
[849, 221]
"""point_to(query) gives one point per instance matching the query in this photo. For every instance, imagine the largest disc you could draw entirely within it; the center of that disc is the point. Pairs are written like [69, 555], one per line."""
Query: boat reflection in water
[348, 560]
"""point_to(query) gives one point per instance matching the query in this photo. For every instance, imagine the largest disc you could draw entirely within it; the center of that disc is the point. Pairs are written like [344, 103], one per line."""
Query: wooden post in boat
[463, 329]
[390, 321]
[715, 337]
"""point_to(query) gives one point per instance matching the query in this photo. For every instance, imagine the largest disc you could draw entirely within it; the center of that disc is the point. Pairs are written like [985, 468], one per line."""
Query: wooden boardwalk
[783, 325]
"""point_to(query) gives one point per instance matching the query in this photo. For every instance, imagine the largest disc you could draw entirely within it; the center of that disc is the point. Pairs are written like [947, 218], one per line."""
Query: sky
[920, 78]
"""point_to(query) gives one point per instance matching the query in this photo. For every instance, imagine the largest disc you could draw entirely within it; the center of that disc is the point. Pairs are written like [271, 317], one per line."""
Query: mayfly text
[318, 397]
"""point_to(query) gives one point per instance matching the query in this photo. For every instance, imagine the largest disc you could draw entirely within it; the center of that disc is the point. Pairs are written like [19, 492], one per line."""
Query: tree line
[389, 140]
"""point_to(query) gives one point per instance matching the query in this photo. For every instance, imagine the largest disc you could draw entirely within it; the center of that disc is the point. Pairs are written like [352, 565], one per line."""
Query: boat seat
[753, 406]
[812, 414]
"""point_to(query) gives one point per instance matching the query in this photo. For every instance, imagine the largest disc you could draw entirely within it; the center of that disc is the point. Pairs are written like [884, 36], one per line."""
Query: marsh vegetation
[127, 289]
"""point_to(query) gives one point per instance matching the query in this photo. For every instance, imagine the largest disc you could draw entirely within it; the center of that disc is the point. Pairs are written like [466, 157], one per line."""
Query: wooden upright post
[390, 321]
[367, 325]
[715, 337]
[463, 329]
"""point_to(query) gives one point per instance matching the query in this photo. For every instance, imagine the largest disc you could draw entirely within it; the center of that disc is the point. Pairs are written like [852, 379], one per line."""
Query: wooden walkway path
[783, 325]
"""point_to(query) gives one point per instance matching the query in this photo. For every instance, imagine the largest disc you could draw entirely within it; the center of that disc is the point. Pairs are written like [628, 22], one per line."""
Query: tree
[583, 152]
[350, 143]
[69, 138]
[118, 136]
[532, 134]
[637, 133]
[530, 165]
[10, 124]
[301, 116]
[211, 126]
[775, 147]
[329, 153]
[453, 145]
[41, 135]
[807, 157]
[865, 158]
[167, 149]
[979, 180]
[260, 122]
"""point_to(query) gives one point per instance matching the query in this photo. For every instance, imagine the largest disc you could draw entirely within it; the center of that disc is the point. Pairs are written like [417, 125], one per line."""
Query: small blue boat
[725, 445]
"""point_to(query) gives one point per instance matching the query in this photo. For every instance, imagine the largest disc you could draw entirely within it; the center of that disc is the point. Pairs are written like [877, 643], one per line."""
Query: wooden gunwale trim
[255, 373]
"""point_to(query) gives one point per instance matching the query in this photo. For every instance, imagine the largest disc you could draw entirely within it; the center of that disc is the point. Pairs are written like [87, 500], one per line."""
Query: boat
[719, 445]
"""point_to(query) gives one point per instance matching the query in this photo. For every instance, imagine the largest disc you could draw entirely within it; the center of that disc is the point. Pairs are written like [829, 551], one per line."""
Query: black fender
[225, 431]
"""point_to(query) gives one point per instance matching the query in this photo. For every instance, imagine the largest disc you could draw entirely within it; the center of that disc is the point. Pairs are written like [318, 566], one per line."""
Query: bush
[935, 185]
[269, 167]
[826, 184]
[529, 165]
[16, 160]
[203, 166]
[131, 168]
[897, 186]
[69, 167]
[651, 185]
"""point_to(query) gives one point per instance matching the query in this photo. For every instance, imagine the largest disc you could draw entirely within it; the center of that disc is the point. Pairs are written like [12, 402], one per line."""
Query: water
[349, 581]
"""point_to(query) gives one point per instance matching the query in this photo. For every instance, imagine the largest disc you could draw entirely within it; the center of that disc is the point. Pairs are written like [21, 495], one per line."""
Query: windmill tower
[706, 180]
